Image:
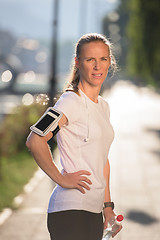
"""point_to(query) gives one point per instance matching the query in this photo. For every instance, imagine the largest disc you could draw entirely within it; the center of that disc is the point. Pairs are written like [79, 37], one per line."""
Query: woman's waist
[68, 194]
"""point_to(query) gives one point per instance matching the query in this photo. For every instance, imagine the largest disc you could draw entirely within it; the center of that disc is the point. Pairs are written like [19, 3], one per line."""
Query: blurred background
[37, 40]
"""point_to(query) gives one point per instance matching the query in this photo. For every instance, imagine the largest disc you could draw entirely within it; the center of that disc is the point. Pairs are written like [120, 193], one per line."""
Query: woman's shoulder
[104, 105]
[70, 95]
[103, 101]
[69, 98]
[68, 104]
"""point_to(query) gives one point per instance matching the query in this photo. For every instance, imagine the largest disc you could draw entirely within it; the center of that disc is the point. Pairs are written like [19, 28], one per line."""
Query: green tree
[122, 12]
[15, 128]
[143, 32]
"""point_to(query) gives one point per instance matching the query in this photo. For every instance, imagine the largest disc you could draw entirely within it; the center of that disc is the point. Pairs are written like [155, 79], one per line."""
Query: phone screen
[45, 122]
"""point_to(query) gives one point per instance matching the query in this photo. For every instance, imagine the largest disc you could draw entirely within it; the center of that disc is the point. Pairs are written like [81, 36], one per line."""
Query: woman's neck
[91, 92]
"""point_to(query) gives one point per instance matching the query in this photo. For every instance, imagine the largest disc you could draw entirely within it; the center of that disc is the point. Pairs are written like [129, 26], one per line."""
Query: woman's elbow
[34, 140]
[30, 142]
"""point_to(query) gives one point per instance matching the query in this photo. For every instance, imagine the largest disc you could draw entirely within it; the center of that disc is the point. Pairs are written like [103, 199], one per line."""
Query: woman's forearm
[107, 197]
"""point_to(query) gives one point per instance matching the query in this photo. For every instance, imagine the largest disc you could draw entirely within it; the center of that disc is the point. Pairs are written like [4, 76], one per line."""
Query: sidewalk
[29, 221]
[135, 161]
[135, 172]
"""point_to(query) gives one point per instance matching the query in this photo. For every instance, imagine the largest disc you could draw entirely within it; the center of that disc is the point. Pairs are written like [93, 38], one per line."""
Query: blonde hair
[72, 84]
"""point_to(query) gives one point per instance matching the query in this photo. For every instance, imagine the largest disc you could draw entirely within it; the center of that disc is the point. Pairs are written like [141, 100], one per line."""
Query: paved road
[135, 160]
[135, 172]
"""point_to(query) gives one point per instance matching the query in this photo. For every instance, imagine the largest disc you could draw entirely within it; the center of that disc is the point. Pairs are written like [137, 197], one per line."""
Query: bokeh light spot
[42, 99]
[6, 76]
[41, 57]
[29, 76]
[27, 99]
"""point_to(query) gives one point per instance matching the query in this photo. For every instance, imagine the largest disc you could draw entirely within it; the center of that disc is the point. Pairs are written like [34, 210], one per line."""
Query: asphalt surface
[135, 172]
[135, 160]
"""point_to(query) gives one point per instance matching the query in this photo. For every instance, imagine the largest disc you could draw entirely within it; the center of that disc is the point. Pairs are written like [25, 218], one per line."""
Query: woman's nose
[96, 65]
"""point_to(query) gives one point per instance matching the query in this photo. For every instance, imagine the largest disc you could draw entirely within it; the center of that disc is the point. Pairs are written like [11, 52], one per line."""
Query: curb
[6, 213]
[18, 200]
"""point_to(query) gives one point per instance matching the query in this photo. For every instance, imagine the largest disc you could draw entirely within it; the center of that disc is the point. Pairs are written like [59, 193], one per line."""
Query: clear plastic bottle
[113, 225]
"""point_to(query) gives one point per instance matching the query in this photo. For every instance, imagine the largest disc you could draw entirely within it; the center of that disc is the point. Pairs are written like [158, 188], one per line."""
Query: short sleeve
[105, 107]
[68, 105]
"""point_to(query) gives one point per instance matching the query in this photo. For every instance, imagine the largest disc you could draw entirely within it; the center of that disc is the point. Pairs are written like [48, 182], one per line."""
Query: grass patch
[16, 172]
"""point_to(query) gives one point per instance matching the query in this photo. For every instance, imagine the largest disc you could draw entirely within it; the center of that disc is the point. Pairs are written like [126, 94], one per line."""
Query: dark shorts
[75, 225]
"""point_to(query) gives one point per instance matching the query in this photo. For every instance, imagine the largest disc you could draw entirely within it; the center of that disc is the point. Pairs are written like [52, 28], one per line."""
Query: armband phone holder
[48, 122]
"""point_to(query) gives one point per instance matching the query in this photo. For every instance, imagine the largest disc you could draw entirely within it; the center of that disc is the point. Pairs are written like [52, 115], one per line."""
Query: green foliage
[139, 23]
[16, 163]
[122, 41]
[14, 128]
[16, 170]
[143, 32]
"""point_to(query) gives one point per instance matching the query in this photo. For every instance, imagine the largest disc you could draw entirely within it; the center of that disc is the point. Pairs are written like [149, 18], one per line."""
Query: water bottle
[113, 225]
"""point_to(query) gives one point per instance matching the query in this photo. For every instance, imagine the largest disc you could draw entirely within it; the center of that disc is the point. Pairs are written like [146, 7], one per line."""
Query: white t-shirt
[86, 119]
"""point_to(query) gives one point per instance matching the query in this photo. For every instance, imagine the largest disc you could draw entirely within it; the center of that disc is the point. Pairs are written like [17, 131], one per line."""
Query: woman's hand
[76, 180]
[108, 214]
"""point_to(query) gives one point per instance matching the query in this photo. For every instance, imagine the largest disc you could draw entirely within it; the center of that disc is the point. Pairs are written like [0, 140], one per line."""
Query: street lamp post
[53, 82]
[52, 90]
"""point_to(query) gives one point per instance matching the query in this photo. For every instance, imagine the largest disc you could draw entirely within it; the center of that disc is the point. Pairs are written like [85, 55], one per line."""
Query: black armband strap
[55, 131]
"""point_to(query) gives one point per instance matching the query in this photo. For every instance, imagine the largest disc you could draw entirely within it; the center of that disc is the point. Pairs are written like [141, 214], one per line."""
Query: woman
[84, 139]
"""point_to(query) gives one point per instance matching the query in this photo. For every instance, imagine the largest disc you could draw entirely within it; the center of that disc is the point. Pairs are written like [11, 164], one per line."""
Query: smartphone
[48, 122]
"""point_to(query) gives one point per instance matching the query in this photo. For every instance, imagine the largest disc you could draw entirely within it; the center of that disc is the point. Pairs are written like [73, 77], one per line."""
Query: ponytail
[72, 84]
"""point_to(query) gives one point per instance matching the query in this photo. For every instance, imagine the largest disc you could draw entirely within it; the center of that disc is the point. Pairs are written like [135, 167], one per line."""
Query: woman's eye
[105, 59]
[90, 59]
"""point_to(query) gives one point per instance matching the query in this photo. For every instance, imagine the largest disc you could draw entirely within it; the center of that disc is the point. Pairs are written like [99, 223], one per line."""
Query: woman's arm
[107, 197]
[108, 212]
[41, 152]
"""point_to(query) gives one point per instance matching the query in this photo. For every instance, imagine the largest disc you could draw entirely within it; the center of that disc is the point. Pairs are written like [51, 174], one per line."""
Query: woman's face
[93, 63]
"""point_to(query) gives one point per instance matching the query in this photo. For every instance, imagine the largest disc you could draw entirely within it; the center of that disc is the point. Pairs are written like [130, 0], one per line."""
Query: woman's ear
[76, 62]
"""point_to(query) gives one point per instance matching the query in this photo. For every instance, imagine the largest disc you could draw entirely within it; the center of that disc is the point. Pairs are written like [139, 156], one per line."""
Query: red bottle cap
[119, 218]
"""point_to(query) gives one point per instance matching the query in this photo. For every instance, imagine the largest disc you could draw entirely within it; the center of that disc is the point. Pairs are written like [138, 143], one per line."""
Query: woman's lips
[97, 75]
